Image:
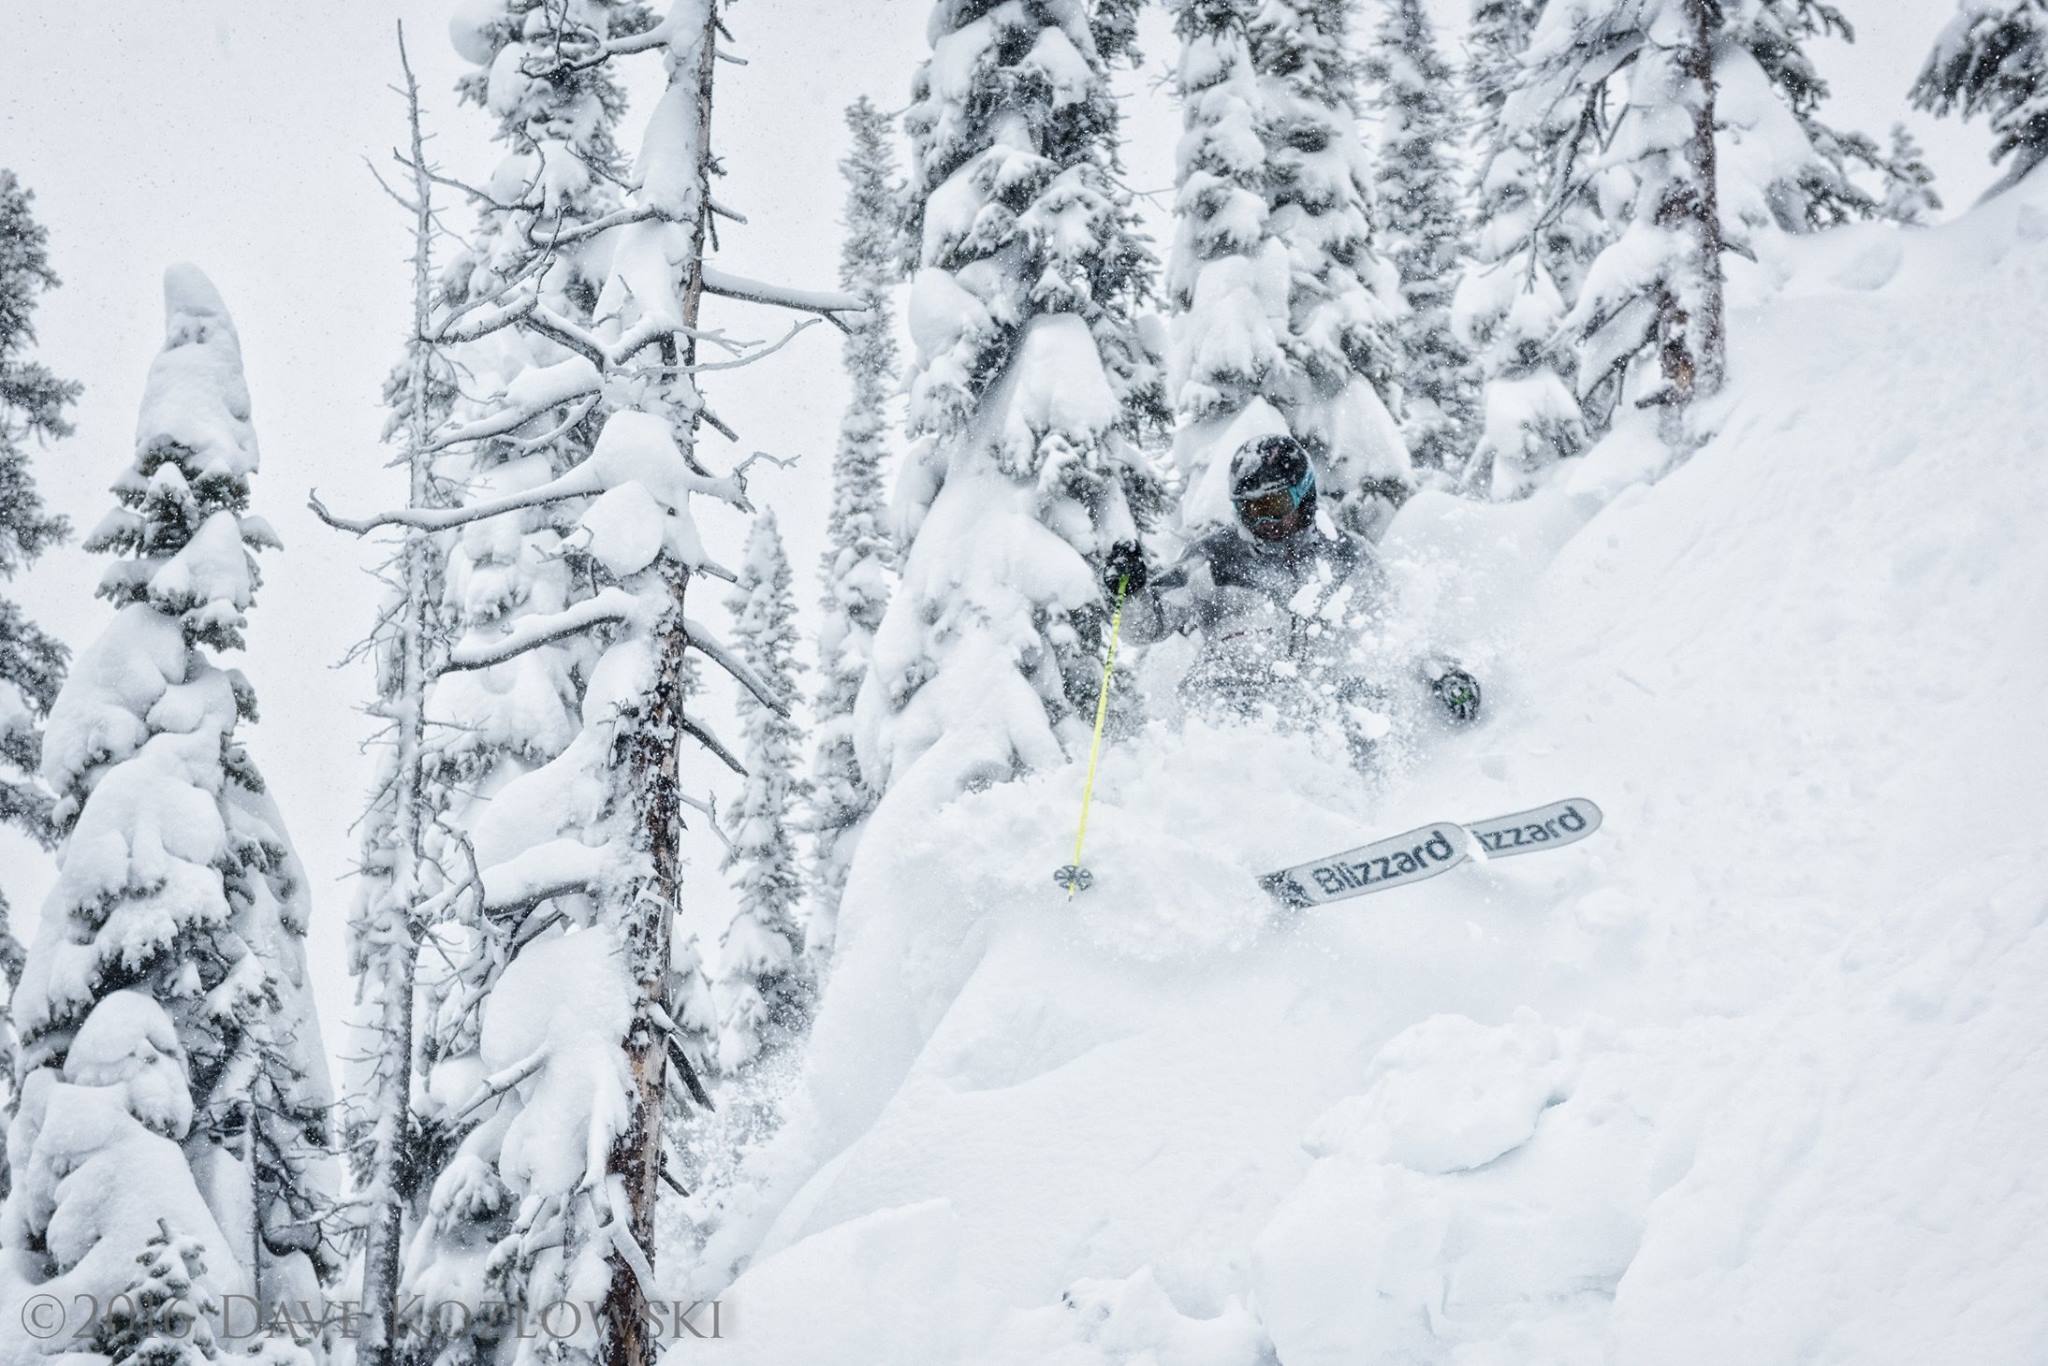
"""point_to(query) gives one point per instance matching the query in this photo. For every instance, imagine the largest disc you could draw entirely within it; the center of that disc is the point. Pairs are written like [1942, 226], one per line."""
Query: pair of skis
[1431, 850]
[1417, 856]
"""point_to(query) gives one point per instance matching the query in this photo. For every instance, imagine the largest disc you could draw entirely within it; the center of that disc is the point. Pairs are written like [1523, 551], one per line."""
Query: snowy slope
[1754, 1075]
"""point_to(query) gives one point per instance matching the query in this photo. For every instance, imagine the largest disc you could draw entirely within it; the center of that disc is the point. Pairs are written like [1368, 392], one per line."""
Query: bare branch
[447, 331]
[385, 186]
[709, 807]
[535, 392]
[531, 897]
[577, 413]
[568, 486]
[702, 639]
[786, 462]
[610, 605]
[716, 424]
[560, 330]
[758, 352]
[827, 304]
[473, 191]
[691, 1081]
[611, 1197]
[696, 731]
[488, 323]
[529, 932]
[495, 1085]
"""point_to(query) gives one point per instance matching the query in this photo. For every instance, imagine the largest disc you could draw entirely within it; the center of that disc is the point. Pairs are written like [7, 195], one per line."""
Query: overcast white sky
[232, 133]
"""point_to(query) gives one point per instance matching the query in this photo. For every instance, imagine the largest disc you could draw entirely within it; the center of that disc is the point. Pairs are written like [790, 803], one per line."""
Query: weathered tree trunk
[652, 753]
[391, 1083]
[1691, 324]
[651, 758]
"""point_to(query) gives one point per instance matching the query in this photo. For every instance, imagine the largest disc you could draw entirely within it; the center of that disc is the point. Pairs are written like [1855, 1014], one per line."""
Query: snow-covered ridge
[1751, 1076]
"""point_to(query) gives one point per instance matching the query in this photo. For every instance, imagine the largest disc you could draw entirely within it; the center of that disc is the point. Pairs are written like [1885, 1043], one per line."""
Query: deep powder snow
[1753, 1075]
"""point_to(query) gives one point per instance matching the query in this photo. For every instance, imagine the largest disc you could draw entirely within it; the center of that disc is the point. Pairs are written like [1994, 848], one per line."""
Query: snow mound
[1446, 1095]
[128, 1041]
[1753, 1075]
[565, 1004]
[196, 397]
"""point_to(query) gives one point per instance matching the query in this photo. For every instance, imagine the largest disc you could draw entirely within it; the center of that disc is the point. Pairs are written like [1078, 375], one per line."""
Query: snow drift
[1752, 1075]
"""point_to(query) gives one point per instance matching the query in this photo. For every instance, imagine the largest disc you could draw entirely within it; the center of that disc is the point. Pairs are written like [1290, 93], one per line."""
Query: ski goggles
[1273, 505]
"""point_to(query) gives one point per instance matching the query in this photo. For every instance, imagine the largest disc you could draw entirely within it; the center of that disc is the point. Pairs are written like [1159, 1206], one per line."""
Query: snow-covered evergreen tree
[166, 1316]
[1419, 187]
[1656, 291]
[1115, 25]
[1494, 43]
[553, 1036]
[459, 736]
[858, 566]
[1992, 59]
[1555, 165]
[1508, 309]
[33, 404]
[762, 988]
[1707, 122]
[1228, 278]
[1805, 173]
[1909, 193]
[1284, 310]
[1032, 387]
[1343, 293]
[178, 886]
[557, 110]
[99, 1170]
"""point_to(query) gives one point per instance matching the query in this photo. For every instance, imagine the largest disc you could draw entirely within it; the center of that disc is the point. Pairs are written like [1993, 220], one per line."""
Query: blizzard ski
[1414, 857]
[1531, 832]
[1430, 850]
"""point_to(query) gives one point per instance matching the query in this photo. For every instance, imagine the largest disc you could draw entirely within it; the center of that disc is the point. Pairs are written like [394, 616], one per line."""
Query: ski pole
[1074, 877]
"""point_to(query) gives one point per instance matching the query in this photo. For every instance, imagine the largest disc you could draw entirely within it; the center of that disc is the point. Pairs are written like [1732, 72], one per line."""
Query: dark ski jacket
[1306, 604]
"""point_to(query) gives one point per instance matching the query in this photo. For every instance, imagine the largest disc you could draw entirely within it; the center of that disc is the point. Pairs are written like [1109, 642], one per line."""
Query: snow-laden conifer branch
[446, 332]
[616, 1219]
[1992, 59]
[488, 1090]
[830, 304]
[610, 606]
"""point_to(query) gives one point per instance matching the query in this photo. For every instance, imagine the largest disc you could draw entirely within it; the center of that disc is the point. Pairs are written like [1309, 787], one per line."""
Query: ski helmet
[1273, 486]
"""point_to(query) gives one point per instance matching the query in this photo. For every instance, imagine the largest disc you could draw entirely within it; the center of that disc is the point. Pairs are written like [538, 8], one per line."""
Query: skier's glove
[1459, 692]
[1125, 566]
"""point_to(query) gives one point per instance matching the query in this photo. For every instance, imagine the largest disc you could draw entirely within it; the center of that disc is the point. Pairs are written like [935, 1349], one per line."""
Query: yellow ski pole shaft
[1116, 621]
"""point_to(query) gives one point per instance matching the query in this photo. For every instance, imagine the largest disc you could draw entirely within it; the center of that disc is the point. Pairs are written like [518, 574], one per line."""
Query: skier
[1282, 604]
